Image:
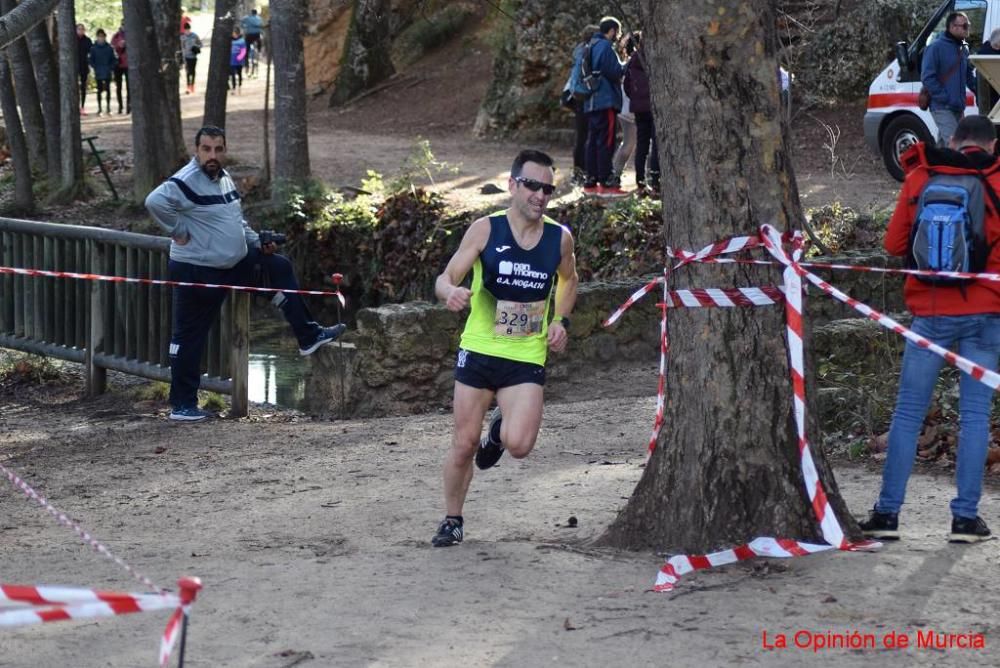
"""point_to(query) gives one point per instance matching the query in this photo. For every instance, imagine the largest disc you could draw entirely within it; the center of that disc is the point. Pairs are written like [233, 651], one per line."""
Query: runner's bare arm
[565, 293]
[448, 285]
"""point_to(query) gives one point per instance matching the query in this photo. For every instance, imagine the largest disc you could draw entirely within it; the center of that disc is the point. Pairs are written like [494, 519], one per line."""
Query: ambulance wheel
[902, 133]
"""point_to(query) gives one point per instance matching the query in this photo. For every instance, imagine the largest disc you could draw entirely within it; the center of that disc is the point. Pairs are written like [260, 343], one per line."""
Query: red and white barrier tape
[830, 527]
[703, 298]
[155, 281]
[64, 520]
[63, 603]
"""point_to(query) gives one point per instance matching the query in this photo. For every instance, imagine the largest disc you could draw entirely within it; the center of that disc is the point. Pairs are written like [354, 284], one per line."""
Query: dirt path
[312, 540]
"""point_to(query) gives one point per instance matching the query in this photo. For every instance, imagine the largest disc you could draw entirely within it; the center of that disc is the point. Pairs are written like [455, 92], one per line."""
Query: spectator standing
[237, 59]
[602, 107]
[626, 121]
[191, 47]
[211, 242]
[83, 44]
[121, 68]
[579, 115]
[253, 28]
[946, 73]
[637, 87]
[962, 317]
[103, 60]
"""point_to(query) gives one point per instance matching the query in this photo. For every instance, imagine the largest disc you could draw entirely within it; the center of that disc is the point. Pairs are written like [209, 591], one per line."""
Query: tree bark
[727, 465]
[167, 15]
[71, 153]
[47, 79]
[217, 88]
[27, 98]
[291, 143]
[367, 59]
[15, 23]
[158, 144]
[24, 198]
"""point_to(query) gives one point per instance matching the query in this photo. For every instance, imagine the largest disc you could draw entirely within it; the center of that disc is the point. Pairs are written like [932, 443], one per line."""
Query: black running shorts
[487, 372]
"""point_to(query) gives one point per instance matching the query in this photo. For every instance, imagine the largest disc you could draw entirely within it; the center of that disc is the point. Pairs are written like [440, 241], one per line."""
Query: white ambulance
[893, 121]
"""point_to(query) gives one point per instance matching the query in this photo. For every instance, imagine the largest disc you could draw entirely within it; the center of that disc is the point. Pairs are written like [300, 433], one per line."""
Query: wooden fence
[105, 325]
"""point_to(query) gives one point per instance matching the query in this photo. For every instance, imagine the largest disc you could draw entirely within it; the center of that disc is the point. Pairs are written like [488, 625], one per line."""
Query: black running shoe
[881, 525]
[969, 530]
[449, 533]
[490, 448]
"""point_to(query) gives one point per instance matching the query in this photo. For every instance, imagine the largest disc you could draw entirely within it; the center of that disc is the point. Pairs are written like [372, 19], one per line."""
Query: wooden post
[239, 353]
[97, 377]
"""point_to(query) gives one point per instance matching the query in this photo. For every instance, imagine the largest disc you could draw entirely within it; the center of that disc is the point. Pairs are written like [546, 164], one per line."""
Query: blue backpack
[583, 80]
[949, 233]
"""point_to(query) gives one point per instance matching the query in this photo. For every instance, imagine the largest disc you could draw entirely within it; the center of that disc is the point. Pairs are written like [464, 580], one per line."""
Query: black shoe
[449, 533]
[490, 448]
[969, 530]
[881, 525]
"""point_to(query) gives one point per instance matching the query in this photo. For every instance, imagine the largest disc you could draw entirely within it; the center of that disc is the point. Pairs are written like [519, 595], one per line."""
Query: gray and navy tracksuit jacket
[207, 213]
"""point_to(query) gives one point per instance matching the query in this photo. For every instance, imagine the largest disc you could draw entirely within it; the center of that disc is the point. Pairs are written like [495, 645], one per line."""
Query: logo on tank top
[523, 271]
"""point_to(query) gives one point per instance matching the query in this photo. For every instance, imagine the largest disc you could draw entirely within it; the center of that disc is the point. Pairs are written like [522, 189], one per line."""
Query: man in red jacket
[965, 317]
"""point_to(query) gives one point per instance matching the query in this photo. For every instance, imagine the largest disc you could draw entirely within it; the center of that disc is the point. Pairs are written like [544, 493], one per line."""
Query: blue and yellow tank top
[512, 294]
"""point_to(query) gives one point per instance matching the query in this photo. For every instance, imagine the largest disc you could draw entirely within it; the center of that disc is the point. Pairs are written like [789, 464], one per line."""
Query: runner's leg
[470, 406]
[521, 407]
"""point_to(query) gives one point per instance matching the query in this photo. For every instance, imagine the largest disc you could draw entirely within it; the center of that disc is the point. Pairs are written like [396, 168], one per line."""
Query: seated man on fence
[199, 207]
[947, 192]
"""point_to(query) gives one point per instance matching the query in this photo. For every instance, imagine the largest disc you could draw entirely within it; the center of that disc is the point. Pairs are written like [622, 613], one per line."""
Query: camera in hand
[271, 237]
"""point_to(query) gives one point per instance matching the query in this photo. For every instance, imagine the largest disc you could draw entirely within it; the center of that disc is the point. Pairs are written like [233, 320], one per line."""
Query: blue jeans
[978, 340]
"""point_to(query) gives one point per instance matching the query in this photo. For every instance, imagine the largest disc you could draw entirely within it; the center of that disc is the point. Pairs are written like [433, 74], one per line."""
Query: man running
[514, 255]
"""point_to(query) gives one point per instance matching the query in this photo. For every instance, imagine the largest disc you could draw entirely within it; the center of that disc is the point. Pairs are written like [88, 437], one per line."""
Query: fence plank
[97, 376]
[7, 284]
[59, 294]
[48, 285]
[239, 353]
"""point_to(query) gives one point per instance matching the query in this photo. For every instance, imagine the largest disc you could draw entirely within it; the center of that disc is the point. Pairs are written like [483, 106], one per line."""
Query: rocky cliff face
[532, 65]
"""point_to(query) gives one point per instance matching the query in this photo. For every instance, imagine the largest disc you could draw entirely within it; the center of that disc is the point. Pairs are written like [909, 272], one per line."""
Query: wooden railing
[105, 325]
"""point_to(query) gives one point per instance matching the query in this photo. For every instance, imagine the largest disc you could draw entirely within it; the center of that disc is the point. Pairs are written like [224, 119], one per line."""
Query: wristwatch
[564, 321]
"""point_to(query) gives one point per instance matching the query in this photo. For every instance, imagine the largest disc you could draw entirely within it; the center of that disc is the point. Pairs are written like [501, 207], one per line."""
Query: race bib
[519, 318]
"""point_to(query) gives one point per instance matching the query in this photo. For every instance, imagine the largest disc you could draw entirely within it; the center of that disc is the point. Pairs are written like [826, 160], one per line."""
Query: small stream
[277, 371]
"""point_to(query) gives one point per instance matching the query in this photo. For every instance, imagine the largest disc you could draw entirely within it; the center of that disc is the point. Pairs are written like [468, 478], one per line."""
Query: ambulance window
[976, 11]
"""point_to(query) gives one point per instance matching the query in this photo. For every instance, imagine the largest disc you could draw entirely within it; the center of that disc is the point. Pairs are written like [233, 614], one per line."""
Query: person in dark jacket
[637, 89]
[83, 44]
[103, 60]
[121, 69]
[602, 107]
[946, 73]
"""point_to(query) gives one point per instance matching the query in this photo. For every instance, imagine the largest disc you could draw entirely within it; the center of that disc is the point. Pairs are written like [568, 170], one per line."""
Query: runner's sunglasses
[534, 186]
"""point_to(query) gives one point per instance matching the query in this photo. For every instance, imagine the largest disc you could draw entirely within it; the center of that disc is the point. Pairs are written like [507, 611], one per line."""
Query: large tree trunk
[726, 468]
[217, 88]
[167, 14]
[27, 14]
[157, 142]
[27, 98]
[69, 104]
[291, 142]
[47, 78]
[24, 198]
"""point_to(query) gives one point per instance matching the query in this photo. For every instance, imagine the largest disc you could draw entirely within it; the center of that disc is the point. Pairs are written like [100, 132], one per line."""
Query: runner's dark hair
[530, 155]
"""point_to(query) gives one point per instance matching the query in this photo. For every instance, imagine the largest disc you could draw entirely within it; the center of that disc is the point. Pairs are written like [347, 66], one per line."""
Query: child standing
[103, 60]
